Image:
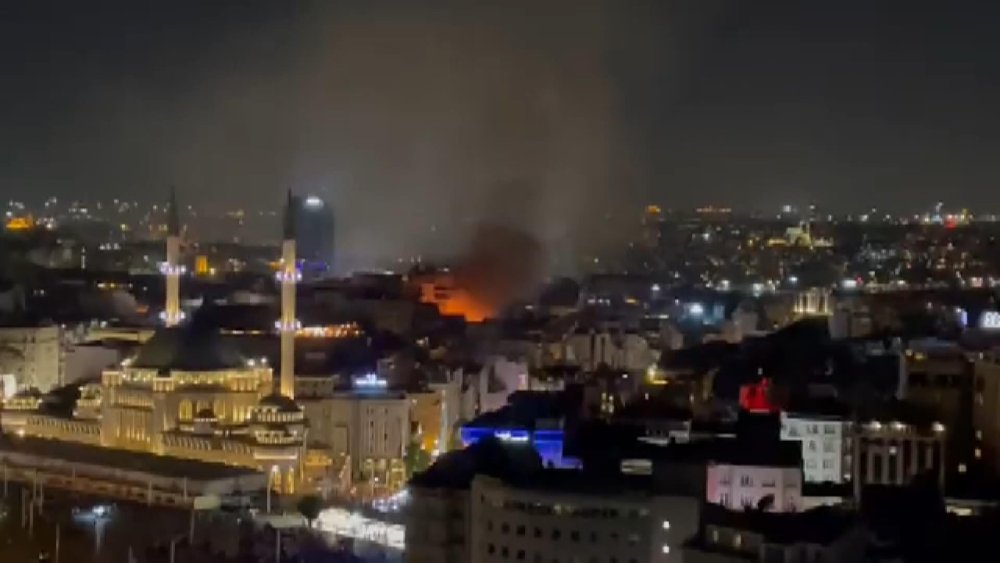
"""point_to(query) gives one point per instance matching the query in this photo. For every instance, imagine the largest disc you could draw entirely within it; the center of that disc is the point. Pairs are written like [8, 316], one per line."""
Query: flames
[500, 267]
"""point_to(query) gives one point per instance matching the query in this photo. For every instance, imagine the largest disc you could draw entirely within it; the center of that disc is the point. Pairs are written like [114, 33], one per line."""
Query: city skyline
[541, 117]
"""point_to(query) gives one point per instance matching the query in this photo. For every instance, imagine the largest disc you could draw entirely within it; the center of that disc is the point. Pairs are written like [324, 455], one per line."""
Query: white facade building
[549, 523]
[740, 486]
[32, 356]
[368, 431]
[626, 351]
[826, 445]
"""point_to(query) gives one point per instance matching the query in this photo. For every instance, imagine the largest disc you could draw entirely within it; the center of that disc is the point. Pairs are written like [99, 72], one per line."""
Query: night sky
[541, 114]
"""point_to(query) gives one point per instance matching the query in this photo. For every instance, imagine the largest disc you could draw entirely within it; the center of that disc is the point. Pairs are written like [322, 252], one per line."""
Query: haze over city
[499, 281]
[419, 122]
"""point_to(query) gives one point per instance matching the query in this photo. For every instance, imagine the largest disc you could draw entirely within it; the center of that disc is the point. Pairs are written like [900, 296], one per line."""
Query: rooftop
[120, 459]
[819, 526]
[190, 347]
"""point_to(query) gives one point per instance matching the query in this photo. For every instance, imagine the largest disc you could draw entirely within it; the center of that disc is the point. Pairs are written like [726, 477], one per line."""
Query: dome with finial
[279, 403]
[195, 346]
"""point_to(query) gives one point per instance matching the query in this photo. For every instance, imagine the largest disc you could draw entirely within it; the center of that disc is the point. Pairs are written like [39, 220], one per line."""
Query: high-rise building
[314, 235]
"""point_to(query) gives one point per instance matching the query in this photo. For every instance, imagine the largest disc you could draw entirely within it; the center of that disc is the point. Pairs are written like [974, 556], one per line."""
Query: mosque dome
[280, 403]
[191, 347]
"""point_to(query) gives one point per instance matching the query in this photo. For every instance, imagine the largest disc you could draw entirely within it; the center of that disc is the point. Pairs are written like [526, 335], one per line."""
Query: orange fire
[454, 301]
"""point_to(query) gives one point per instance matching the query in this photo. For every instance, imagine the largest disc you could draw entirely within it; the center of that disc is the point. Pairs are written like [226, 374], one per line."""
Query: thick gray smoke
[417, 120]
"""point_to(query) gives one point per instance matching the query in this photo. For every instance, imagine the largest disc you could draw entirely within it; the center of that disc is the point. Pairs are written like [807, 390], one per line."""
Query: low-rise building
[755, 475]
[31, 357]
[822, 534]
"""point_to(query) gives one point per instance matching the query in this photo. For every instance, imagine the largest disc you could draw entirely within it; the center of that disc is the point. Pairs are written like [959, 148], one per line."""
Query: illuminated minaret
[172, 269]
[288, 275]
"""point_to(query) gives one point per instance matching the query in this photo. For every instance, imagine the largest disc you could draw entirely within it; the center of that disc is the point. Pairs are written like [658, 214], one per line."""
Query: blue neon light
[548, 443]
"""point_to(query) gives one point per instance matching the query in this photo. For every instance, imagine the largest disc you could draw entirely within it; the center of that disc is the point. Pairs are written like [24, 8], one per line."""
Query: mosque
[187, 393]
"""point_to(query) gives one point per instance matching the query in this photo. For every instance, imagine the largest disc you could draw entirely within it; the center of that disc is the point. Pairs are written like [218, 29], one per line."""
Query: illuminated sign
[990, 320]
[370, 381]
[756, 397]
[512, 435]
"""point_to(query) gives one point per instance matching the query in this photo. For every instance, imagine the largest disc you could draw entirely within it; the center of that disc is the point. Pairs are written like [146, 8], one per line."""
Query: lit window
[666, 525]
[666, 549]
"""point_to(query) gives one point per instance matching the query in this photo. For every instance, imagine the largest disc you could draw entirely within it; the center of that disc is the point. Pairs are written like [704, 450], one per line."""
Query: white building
[750, 486]
[826, 445]
[552, 521]
[755, 474]
[32, 356]
[626, 351]
[364, 429]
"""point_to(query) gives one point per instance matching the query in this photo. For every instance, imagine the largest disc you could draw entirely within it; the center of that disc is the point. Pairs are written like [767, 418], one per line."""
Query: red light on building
[756, 397]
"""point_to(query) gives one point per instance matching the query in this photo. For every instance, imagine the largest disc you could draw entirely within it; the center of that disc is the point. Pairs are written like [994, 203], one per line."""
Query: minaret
[288, 275]
[172, 269]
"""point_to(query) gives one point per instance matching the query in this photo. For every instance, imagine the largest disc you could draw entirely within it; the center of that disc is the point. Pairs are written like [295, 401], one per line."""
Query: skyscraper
[314, 235]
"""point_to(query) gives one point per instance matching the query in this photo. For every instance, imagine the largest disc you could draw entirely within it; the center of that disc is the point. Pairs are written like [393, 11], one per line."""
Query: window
[593, 537]
[504, 552]
[556, 534]
[746, 481]
[504, 528]
[574, 535]
[489, 525]
[538, 532]
[491, 549]
[520, 555]
[827, 464]
[519, 531]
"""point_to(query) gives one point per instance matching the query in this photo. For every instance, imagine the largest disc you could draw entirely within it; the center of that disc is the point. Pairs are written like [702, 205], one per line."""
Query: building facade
[365, 431]
[31, 357]
[894, 452]
[826, 445]
[183, 395]
[314, 235]
[187, 393]
[543, 522]
[775, 488]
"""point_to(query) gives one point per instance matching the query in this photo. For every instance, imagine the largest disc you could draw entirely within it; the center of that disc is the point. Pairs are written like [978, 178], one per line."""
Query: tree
[417, 459]
[309, 507]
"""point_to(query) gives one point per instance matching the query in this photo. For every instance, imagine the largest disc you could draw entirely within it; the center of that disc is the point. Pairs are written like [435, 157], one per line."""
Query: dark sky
[538, 113]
